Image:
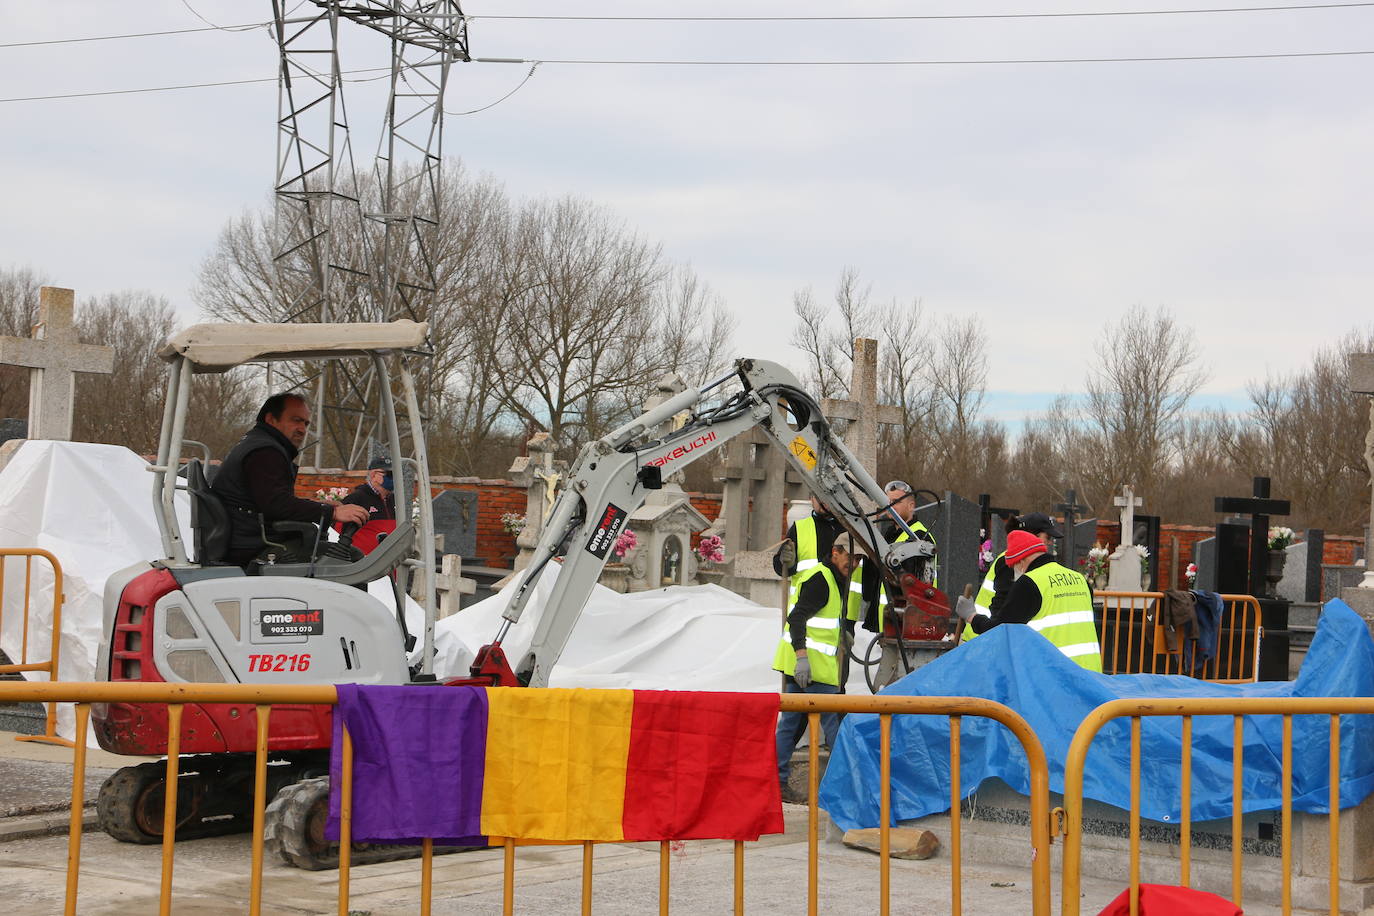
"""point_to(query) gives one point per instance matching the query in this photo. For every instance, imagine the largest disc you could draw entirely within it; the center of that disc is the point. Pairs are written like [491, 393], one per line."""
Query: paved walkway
[211, 875]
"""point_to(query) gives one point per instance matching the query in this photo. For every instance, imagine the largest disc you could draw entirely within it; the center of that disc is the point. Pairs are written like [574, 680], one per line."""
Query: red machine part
[489, 669]
[927, 615]
[141, 728]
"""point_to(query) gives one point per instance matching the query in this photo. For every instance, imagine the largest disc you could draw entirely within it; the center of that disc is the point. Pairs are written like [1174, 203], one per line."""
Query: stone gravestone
[1301, 580]
[1123, 570]
[1075, 546]
[861, 408]
[450, 586]
[539, 473]
[1230, 569]
[1361, 597]
[955, 523]
[1147, 536]
[666, 521]
[1205, 556]
[455, 520]
[1273, 664]
[55, 356]
[994, 522]
[757, 485]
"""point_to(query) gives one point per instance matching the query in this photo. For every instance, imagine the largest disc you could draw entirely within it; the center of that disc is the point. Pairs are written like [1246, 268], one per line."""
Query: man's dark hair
[273, 406]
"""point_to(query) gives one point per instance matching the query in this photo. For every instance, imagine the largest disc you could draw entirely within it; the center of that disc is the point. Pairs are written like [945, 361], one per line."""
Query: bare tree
[1305, 432]
[18, 311]
[1138, 393]
[829, 351]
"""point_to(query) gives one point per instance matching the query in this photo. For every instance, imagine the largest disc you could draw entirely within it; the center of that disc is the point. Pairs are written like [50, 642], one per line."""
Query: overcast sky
[1046, 199]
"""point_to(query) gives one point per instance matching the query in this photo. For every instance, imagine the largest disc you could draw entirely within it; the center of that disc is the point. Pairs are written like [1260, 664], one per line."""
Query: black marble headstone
[1312, 578]
[955, 524]
[1146, 534]
[1084, 536]
[1205, 558]
[455, 517]
[11, 428]
[1233, 559]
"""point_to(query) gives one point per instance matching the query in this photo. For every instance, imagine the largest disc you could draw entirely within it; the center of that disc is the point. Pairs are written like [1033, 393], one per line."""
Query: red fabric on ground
[1170, 900]
[702, 766]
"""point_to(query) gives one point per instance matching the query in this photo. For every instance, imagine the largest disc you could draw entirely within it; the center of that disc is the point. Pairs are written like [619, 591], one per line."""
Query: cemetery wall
[495, 546]
[1336, 548]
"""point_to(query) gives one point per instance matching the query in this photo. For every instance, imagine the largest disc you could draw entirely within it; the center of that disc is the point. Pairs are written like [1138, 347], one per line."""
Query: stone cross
[1362, 382]
[539, 474]
[1128, 502]
[1070, 508]
[861, 408]
[54, 355]
[450, 585]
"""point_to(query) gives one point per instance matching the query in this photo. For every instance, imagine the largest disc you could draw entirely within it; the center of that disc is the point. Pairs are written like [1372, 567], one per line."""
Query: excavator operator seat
[209, 518]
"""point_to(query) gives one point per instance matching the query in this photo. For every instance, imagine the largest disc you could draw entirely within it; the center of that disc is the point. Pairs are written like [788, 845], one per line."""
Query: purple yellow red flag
[459, 764]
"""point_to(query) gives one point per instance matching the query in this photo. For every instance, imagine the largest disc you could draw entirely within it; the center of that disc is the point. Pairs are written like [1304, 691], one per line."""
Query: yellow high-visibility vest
[822, 633]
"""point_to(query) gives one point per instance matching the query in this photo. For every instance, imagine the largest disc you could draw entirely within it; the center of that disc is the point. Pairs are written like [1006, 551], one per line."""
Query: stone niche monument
[665, 523]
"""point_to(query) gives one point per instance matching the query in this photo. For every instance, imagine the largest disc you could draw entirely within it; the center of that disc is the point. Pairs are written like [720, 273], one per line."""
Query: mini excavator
[294, 615]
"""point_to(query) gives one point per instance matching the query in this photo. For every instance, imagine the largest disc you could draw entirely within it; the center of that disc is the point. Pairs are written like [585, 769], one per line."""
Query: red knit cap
[1022, 544]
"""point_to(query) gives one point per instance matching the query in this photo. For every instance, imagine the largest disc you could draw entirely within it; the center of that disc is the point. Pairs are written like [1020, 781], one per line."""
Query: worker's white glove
[803, 673]
[787, 554]
[965, 607]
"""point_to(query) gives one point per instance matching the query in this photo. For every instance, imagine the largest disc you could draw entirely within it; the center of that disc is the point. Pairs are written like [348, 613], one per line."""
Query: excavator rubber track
[294, 832]
[214, 797]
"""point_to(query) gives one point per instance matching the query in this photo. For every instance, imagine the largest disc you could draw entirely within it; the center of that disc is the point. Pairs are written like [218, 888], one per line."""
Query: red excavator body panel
[141, 728]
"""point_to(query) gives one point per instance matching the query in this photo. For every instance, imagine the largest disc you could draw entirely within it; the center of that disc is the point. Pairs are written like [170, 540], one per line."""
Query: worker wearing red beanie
[1053, 600]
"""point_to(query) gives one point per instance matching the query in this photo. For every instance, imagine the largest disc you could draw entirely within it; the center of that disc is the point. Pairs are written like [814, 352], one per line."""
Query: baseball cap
[1037, 522]
[382, 463]
[1022, 544]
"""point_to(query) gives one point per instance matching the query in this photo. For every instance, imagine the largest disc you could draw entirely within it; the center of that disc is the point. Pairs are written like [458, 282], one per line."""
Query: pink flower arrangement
[331, 494]
[711, 549]
[1190, 574]
[626, 542]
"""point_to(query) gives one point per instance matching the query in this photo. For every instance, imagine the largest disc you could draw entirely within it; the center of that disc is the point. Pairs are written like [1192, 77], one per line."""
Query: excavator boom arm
[612, 476]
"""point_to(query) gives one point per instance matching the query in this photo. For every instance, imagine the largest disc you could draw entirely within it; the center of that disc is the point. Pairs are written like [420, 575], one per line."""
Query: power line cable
[248, 26]
[732, 63]
[65, 41]
[929, 63]
[534, 66]
[194, 12]
[270, 79]
[891, 18]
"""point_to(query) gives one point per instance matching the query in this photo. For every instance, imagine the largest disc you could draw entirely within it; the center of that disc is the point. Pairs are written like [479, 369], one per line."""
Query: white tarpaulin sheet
[91, 506]
[700, 637]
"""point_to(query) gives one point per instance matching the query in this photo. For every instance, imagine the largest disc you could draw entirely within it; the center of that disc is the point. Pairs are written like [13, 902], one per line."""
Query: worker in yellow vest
[809, 652]
[867, 596]
[997, 584]
[1051, 599]
[808, 542]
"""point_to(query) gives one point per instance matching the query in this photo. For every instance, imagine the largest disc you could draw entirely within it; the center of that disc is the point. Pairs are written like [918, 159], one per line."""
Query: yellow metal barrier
[1238, 709]
[1133, 639]
[49, 735]
[263, 698]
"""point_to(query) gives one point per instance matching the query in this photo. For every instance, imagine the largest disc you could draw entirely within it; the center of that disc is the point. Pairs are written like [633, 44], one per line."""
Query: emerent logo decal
[293, 623]
[700, 441]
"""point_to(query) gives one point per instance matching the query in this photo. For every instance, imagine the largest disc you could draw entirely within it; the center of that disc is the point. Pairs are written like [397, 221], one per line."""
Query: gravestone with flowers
[663, 526]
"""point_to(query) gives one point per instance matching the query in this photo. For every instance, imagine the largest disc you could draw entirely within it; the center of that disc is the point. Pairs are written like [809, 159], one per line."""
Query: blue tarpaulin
[1017, 667]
